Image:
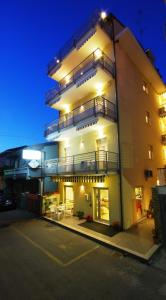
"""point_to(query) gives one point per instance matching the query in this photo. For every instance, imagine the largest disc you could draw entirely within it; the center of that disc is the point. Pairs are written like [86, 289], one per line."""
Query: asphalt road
[39, 260]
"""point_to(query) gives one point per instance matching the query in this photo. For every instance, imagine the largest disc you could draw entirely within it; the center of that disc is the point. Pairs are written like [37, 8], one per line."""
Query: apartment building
[109, 127]
[22, 174]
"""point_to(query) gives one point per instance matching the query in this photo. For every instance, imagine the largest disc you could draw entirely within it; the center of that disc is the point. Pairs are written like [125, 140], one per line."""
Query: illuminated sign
[31, 154]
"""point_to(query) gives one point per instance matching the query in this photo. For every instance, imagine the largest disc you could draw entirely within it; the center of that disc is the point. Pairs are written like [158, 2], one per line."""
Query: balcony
[162, 111]
[163, 139]
[86, 70]
[99, 162]
[85, 33]
[96, 107]
[24, 173]
[161, 175]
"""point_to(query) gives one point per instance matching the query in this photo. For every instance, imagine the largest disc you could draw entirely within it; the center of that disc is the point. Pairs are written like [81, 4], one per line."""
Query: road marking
[47, 253]
[80, 256]
[51, 256]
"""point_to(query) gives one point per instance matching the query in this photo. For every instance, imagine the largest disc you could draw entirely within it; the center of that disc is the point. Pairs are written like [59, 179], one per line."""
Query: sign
[31, 154]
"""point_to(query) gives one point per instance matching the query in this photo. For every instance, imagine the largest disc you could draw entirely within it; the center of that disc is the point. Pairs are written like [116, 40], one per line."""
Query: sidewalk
[136, 241]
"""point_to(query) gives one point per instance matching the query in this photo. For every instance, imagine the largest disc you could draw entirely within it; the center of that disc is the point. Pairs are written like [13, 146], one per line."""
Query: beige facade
[98, 79]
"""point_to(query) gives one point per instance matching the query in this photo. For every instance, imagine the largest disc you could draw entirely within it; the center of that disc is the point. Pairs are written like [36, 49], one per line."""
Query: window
[147, 117]
[102, 144]
[145, 88]
[150, 151]
[139, 193]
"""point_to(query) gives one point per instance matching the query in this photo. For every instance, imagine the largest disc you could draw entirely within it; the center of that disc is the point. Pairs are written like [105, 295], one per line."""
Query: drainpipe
[118, 127]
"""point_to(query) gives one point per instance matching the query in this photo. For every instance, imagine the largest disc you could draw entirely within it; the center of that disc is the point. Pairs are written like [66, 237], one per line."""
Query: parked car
[6, 203]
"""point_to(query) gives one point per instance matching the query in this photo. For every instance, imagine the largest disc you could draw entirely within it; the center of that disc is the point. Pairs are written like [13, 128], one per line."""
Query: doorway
[101, 196]
[69, 200]
[139, 203]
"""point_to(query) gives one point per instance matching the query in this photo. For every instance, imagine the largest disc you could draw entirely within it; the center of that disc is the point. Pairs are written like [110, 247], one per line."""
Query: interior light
[164, 96]
[57, 61]
[81, 108]
[100, 132]
[98, 53]
[158, 182]
[66, 108]
[99, 89]
[82, 188]
[103, 15]
[67, 79]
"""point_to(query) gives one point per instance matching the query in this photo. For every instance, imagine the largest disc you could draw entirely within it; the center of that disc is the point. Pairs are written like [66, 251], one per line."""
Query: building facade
[109, 128]
[24, 178]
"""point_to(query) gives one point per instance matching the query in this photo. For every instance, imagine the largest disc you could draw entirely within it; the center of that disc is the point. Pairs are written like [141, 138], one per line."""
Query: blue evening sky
[31, 33]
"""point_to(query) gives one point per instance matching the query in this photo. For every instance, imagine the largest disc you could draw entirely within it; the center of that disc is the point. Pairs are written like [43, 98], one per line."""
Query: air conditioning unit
[148, 173]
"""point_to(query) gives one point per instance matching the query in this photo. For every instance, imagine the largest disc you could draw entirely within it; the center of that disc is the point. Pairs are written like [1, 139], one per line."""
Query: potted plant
[89, 218]
[80, 214]
[116, 225]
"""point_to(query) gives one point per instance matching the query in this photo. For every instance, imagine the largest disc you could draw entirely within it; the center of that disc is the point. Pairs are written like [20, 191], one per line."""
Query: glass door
[69, 200]
[102, 205]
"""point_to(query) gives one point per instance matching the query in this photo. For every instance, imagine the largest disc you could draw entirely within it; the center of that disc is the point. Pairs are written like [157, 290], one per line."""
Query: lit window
[145, 88]
[139, 193]
[147, 117]
[150, 151]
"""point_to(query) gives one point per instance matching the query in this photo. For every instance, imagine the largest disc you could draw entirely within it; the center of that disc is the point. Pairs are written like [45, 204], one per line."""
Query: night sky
[32, 32]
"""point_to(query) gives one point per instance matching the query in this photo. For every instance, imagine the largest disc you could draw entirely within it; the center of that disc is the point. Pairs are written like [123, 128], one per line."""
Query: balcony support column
[96, 168]
[106, 160]
[73, 168]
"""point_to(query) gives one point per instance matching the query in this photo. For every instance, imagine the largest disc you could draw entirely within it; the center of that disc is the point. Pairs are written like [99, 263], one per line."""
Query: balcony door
[67, 160]
[101, 153]
[102, 211]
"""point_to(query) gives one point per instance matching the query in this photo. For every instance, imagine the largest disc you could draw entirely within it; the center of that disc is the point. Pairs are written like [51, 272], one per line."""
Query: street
[40, 260]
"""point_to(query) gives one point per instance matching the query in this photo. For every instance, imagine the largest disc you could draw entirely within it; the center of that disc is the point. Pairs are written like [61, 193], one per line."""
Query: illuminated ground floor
[97, 198]
[92, 197]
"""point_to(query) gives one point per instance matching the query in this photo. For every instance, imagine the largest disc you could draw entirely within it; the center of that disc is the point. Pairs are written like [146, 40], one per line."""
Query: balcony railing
[74, 40]
[22, 172]
[92, 162]
[95, 59]
[161, 175]
[163, 139]
[162, 111]
[98, 106]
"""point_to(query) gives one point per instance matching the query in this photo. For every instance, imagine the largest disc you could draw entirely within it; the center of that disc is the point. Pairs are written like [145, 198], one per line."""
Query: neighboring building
[21, 176]
[108, 130]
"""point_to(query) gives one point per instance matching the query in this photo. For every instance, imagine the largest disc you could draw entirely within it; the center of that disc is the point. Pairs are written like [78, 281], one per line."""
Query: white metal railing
[95, 161]
[96, 58]
[94, 107]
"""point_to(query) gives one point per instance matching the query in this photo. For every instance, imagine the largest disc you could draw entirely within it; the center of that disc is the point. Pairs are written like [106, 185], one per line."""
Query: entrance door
[139, 202]
[69, 200]
[102, 205]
